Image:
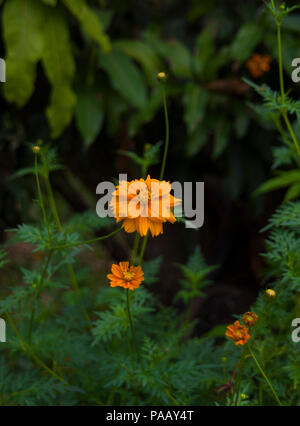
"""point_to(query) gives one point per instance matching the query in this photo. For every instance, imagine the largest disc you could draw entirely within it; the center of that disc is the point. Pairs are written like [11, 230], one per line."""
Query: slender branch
[239, 377]
[37, 294]
[282, 92]
[264, 376]
[27, 348]
[57, 220]
[280, 62]
[143, 248]
[131, 323]
[174, 400]
[42, 205]
[59, 227]
[136, 243]
[291, 131]
[162, 171]
[81, 243]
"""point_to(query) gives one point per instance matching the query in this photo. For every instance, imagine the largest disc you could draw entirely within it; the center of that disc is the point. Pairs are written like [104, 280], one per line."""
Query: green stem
[280, 66]
[239, 376]
[57, 220]
[260, 394]
[135, 248]
[40, 195]
[81, 243]
[131, 323]
[143, 248]
[280, 62]
[59, 227]
[129, 348]
[52, 203]
[291, 131]
[264, 376]
[145, 240]
[162, 171]
[167, 392]
[286, 139]
[27, 348]
[38, 289]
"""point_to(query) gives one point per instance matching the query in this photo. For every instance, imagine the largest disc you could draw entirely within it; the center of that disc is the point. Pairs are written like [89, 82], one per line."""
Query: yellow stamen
[128, 275]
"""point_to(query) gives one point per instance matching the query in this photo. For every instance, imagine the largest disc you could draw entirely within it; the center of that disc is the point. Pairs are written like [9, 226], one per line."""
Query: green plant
[72, 339]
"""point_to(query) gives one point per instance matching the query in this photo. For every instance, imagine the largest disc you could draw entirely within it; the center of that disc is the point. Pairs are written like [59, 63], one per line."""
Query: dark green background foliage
[81, 76]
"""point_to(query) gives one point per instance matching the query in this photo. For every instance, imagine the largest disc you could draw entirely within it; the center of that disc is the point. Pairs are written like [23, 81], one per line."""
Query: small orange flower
[250, 319]
[238, 333]
[144, 205]
[258, 64]
[124, 276]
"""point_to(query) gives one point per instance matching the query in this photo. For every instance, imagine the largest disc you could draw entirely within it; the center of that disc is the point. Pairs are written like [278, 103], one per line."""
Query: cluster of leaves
[92, 365]
[103, 78]
[70, 347]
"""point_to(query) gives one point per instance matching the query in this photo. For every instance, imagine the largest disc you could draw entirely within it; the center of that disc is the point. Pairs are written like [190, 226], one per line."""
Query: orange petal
[124, 266]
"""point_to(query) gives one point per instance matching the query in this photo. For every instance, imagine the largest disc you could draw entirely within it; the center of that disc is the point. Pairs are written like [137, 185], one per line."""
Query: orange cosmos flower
[238, 333]
[258, 64]
[144, 205]
[250, 319]
[124, 276]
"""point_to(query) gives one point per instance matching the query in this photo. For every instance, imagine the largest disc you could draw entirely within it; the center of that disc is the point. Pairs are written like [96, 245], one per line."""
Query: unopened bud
[36, 149]
[270, 294]
[162, 76]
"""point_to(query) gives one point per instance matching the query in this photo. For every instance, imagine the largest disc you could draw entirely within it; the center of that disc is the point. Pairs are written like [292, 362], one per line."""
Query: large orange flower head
[144, 205]
[124, 276]
[258, 64]
[238, 333]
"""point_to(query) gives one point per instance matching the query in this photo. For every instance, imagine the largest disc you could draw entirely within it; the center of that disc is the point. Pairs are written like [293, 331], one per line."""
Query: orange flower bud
[250, 319]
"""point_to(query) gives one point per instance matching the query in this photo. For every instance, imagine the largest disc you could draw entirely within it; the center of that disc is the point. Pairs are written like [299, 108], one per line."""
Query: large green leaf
[143, 53]
[23, 37]
[59, 67]
[222, 133]
[115, 107]
[145, 115]
[197, 140]
[205, 53]
[61, 108]
[179, 57]
[195, 100]
[125, 77]
[90, 22]
[248, 36]
[291, 177]
[50, 2]
[89, 114]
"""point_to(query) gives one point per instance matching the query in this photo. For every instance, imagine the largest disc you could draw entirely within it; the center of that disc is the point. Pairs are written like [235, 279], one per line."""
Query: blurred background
[81, 75]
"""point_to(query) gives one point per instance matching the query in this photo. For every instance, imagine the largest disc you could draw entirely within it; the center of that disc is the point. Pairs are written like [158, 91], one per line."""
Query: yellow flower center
[144, 195]
[239, 334]
[128, 275]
